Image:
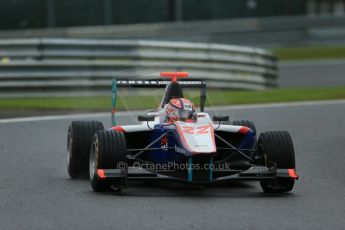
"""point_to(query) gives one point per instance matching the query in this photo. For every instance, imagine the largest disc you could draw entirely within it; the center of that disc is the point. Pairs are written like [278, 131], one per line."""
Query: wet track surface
[36, 192]
[307, 74]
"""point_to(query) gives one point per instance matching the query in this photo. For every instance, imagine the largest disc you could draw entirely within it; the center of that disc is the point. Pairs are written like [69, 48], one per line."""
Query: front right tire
[79, 138]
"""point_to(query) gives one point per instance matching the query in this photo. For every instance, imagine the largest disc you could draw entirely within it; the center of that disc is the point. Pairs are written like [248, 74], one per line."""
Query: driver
[179, 109]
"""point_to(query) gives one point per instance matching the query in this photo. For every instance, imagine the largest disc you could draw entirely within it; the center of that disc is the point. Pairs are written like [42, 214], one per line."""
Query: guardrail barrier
[77, 67]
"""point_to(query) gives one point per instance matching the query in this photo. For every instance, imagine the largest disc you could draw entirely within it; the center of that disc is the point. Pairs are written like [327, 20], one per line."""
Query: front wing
[254, 173]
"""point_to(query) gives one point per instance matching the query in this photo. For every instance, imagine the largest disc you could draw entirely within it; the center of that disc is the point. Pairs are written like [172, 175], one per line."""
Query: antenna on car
[113, 102]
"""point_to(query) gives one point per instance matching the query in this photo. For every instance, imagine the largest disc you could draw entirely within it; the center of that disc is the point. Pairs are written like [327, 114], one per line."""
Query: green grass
[298, 53]
[151, 101]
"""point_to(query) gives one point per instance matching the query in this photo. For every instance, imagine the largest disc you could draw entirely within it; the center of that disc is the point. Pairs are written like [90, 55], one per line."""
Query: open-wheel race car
[177, 143]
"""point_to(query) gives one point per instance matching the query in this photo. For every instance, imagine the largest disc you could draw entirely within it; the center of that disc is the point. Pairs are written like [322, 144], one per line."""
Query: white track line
[279, 105]
[62, 117]
[217, 108]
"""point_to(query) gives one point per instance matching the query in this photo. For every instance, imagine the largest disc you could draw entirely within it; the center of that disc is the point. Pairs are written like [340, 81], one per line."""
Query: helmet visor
[186, 114]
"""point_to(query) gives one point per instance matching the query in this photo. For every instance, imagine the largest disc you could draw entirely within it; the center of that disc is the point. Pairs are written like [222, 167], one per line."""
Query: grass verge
[300, 53]
[151, 101]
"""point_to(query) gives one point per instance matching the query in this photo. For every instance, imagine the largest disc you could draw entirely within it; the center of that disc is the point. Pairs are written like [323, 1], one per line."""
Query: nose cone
[196, 138]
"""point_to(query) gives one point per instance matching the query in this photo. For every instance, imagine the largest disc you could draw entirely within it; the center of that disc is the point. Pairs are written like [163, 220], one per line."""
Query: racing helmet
[179, 109]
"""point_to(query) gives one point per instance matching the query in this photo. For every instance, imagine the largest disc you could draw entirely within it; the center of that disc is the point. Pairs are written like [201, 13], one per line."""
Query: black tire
[276, 148]
[245, 123]
[79, 138]
[108, 151]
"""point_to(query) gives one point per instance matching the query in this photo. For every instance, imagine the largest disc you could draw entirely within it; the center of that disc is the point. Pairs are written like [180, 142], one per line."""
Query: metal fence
[54, 67]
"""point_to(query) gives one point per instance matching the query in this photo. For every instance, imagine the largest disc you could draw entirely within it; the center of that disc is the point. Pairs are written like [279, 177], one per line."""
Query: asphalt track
[307, 74]
[36, 192]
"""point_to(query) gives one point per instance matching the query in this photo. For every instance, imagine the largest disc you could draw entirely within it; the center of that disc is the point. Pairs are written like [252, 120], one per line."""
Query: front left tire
[277, 149]
[108, 151]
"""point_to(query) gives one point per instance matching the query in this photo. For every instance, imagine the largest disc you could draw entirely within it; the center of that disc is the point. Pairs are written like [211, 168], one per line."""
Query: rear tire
[108, 151]
[245, 123]
[276, 148]
[79, 138]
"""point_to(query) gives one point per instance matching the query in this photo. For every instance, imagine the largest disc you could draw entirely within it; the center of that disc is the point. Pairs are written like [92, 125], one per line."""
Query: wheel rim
[93, 159]
[69, 147]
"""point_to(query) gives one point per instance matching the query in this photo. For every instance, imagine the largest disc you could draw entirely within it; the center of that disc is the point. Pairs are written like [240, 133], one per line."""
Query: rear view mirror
[146, 118]
[220, 118]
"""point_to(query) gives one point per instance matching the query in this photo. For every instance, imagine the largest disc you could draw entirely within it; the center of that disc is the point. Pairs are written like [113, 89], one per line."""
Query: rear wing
[159, 83]
[116, 83]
